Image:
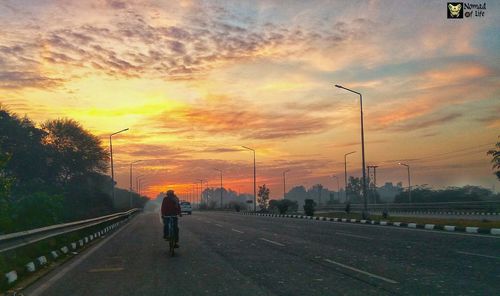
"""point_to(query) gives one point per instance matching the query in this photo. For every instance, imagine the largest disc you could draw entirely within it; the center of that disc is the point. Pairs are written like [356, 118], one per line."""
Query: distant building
[388, 192]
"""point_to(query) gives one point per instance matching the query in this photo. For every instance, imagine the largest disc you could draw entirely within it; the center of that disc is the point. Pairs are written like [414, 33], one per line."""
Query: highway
[232, 254]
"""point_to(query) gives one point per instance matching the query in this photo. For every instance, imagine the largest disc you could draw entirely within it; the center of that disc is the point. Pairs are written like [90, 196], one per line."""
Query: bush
[309, 207]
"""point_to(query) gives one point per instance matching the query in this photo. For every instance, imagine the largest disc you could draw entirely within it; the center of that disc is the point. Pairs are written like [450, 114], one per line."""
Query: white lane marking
[480, 255]
[354, 235]
[362, 272]
[218, 225]
[236, 230]
[272, 242]
[39, 290]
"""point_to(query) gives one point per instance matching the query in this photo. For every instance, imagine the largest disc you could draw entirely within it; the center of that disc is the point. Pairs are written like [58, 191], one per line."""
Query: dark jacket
[170, 206]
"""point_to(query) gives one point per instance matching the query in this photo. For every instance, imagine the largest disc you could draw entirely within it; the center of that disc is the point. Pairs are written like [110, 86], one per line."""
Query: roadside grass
[483, 223]
[17, 259]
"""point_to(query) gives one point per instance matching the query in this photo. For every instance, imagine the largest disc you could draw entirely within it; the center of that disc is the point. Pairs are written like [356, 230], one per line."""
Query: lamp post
[365, 210]
[201, 190]
[140, 185]
[345, 173]
[409, 179]
[254, 180]
[130, 190]
[338, 187]
[284, 183]
[220, 171]
[112, 168]
[137, 184]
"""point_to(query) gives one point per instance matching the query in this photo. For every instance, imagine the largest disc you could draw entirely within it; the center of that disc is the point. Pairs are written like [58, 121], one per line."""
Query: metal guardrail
[18, 239]
[470, 206]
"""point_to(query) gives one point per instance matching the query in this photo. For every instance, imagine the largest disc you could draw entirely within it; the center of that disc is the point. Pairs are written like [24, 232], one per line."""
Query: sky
[195, 80]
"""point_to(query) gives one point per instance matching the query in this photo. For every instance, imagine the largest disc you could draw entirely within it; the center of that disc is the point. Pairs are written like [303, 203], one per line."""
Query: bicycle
[171, 233]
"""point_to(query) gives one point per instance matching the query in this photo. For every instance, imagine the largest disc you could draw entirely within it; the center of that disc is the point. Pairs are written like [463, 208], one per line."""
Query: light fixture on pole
[409, 179]
[220, 171]
[365, 210]
[130, 189]
[284, 183]
[338, 187]
[254, 180]
[112, 168]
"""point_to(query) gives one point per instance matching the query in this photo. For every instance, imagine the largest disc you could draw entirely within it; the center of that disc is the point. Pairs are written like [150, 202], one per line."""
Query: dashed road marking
[353, 235]
[106, 269]
[362, 272]
[272, 242]
[479, 255]
[218, 225]
[236, 230]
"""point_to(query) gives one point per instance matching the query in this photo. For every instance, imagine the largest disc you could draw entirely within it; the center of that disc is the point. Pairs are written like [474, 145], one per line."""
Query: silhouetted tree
[354, 189]
[263, 197]
[309, 207]
[73, 150]
[495, 153]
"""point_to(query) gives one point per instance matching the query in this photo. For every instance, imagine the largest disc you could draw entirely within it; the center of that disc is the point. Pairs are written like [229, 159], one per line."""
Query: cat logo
[455, 10]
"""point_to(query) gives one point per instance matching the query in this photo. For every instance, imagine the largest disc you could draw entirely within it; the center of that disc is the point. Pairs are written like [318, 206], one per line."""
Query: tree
[5, 185]
[263, 195]
[354, 189]
[73, 150]
[309, 207]
[495, 153]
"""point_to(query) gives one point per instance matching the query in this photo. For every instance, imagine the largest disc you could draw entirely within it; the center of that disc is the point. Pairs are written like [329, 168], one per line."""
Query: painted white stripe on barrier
[344, 220]
[42, 260]
[383, 222]
[11, 276]
[363, 221]
[54, 254]
[471, 229]
[353, 220]
[64, 250]
[412, 225]
[429, 226]
[396, 223]
[30, 267]
[495, 231]
[73, 246]
[449, 228]
[362, 272]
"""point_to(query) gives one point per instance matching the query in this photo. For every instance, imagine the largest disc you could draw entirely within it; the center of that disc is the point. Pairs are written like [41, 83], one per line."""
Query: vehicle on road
[186, 207]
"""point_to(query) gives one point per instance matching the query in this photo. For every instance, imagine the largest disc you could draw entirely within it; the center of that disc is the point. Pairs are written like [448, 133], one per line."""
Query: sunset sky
[195, 80]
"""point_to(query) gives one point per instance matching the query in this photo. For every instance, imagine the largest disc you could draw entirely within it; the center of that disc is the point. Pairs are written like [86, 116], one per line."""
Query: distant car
[186, 207]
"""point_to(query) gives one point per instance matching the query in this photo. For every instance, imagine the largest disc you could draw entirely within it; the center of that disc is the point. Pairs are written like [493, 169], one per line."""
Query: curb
[39, 262]
[447, 228]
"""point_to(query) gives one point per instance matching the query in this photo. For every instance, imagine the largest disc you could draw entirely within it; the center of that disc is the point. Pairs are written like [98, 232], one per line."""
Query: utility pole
[284, 183]
[220, 171]
[374, 187]
[345, 172]
[254, 180]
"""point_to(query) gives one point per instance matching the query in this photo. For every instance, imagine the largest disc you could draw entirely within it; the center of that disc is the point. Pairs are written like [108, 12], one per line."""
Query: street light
[409, 180]
[365, 211]
[130, 192]
[345, 173]
[284, 182]
[112, 168]
[220, 171]
[254, 180]
[338, 187]
[201, 190]
[137, 183]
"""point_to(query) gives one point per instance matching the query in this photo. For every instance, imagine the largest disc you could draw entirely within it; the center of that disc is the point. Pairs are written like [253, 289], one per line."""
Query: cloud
[424, 122]
[228, 118]
[19, 79]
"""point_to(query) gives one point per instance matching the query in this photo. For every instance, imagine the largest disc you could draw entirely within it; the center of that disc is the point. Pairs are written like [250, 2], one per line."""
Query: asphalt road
[231, 254]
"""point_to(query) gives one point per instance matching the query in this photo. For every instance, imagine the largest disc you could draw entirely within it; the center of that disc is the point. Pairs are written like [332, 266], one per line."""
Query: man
[170, 207]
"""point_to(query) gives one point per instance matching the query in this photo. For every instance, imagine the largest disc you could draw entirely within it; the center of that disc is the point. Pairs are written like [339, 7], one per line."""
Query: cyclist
[170, 207]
